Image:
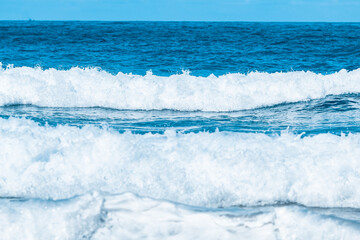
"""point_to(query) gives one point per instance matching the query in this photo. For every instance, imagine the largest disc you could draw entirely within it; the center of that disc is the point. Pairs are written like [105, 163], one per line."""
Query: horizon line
[243, 21]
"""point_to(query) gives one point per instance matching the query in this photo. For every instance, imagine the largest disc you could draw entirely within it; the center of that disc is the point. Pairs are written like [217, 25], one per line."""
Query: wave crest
[92, 87]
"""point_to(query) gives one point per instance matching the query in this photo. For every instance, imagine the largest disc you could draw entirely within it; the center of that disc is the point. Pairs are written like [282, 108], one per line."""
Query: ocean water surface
[179, 130]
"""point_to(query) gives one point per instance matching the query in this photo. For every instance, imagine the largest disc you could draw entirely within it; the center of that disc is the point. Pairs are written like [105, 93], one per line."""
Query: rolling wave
[92, 87]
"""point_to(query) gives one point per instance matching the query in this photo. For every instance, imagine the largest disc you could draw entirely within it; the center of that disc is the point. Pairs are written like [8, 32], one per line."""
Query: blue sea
[179, 130]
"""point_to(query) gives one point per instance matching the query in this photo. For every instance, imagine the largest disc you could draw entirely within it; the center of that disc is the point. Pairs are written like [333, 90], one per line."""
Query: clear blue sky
[182, 10]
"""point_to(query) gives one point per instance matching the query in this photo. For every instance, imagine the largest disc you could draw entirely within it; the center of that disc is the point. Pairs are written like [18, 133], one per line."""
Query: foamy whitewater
[225, 131]
[218, 169]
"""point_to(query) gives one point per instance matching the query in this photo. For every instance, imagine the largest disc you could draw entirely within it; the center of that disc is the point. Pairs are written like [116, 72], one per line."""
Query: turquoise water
[167, 48]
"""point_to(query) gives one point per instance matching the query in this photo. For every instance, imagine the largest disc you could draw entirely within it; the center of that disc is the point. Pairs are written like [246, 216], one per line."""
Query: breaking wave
[92, 87]
[219, 169]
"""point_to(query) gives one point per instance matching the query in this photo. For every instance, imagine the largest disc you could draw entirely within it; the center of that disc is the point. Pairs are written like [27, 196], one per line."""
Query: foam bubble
[204, 169]
[92, 87]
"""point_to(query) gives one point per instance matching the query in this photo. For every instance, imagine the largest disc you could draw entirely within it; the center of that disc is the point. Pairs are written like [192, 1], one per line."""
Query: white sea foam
[204, 169]
[91, 87]
[126, 216]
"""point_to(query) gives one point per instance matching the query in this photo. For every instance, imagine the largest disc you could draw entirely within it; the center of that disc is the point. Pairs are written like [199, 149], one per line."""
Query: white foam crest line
[92, 87]
[205, 169]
